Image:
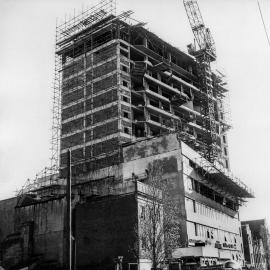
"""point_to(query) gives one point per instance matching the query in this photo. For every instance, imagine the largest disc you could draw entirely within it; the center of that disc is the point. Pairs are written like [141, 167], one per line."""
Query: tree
[158, 228]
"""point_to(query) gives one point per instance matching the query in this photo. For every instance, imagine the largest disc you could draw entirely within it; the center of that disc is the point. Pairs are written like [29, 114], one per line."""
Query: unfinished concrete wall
[96, 87]
[90, 96]
[32, 232]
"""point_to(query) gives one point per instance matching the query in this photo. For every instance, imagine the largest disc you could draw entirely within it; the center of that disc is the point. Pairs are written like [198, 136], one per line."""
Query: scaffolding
[85, 20]
[217, 171]
[67, 33]
[76, 67]
[221, 94]
[83, 29]
[76, 63]
[205, 54]
[42, 179]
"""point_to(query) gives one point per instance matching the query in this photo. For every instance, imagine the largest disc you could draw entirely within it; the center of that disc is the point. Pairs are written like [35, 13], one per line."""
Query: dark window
[197, 186]
[123, 45]
[124, 53]
[124, 68]
[154, 75]
[126, 114]
[219, 198]
[126, 99]
[165, 107]
[142, 212]
[125, 83]
[153, 88]
[192, 164]
[154, 118]
[163, 80]
[205, 191]
[126, 130]
[196, 229]
[194, 206]
[230, 204]
[154, 103]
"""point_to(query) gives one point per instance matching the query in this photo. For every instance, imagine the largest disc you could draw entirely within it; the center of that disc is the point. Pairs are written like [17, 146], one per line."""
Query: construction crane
[204, 55]
[201, 33]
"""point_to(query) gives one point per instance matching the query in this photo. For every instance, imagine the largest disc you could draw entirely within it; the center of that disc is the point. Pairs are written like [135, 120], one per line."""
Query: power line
[263, 23]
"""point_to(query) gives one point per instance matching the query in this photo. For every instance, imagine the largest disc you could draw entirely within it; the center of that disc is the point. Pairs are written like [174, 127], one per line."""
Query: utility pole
[68, 214]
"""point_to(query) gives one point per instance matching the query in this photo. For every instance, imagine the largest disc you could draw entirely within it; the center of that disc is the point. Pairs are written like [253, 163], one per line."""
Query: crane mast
[204, 55]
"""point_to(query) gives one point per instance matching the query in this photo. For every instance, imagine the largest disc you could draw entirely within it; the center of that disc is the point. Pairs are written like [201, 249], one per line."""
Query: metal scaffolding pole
[69, 214]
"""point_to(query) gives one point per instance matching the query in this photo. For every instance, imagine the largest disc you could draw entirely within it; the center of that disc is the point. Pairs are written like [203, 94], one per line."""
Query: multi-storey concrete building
[120, 82]
[128, 101]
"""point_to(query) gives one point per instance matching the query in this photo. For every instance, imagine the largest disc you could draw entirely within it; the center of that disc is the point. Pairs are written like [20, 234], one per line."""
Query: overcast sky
[27, 30]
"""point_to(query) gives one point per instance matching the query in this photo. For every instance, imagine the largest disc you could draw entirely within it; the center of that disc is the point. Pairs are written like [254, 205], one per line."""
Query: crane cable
[265, 30]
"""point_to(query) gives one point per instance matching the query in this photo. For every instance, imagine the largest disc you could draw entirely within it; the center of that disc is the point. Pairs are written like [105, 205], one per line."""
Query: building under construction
[126, 100]
[119, 83]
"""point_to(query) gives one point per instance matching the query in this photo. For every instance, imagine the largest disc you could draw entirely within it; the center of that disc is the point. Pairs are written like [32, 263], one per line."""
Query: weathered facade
[36, 232]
